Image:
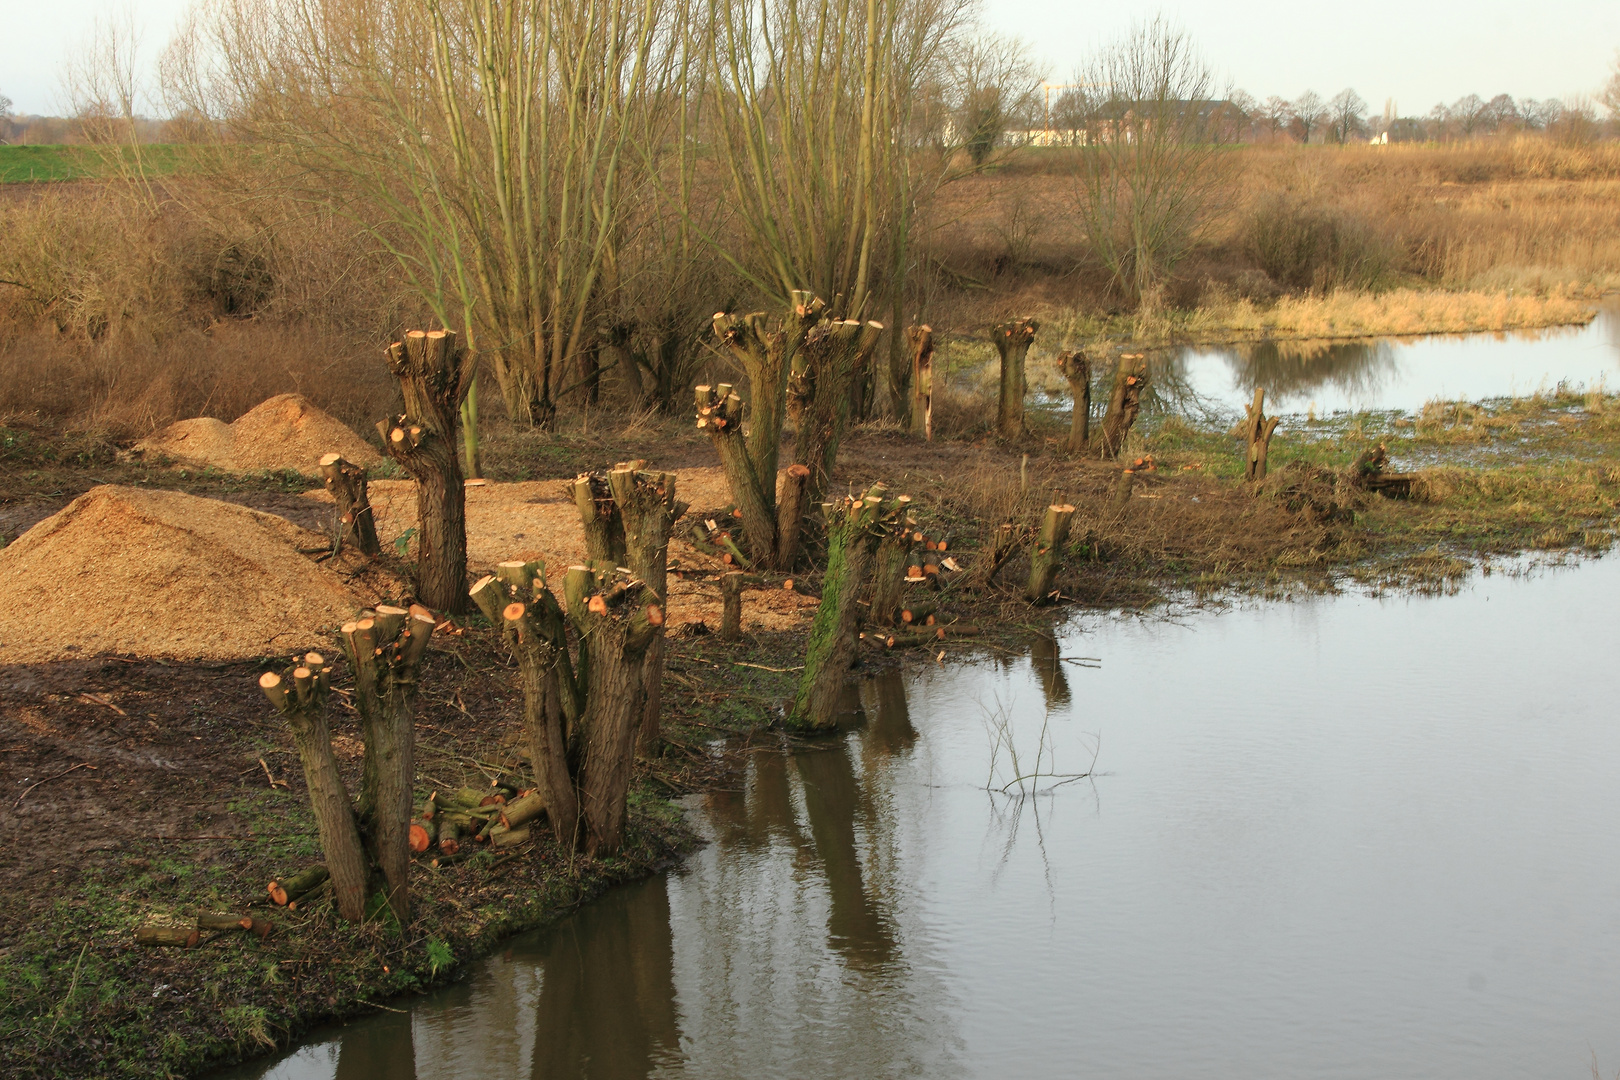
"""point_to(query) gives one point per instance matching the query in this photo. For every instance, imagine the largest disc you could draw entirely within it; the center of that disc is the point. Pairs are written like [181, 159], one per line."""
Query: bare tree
[487, 147]
[1344, 115]
[992, 81]
[1276, 113]
[1501, 112]
[1309, 114]
[1610, 95]
[1151, 172]
[1468, 114]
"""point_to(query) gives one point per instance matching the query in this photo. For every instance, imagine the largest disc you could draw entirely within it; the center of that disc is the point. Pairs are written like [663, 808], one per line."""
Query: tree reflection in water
[1293, 372]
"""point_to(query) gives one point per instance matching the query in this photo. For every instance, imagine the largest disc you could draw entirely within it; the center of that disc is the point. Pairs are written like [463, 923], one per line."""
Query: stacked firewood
[448, 827]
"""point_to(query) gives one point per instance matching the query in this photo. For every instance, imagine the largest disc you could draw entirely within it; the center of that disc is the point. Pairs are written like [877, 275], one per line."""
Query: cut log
[284, 891]
[1045, 558]
[1012, 341]
[210, 920]
[347, 483]
[179, 935]
[424, 834]
[501, 837]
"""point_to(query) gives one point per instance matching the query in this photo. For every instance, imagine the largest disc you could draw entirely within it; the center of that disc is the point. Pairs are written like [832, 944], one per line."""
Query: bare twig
[48, 779]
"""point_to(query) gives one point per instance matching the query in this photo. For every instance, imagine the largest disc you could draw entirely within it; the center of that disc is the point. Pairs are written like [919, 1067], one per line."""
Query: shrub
[1303, 245]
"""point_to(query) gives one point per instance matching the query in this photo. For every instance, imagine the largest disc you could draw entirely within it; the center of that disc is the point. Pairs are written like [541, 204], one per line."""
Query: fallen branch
[48, 779]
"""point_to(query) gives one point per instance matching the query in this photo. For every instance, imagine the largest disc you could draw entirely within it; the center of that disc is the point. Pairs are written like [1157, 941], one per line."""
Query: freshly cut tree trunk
[1045, 558]
[922, 381]
[301, 698]
[521, 602]
[385, 652]
[646, 503]
[616, 618]
[347, 483]
[854, 529]
[600, 518]
[720, 413]
[434, 373]
[1257, 431]
[731, 590]
[791, 503]
[889, 575]
[1130, 379]
[818, 395]
[1122, 491]
[1012, 341]
[1077, 369]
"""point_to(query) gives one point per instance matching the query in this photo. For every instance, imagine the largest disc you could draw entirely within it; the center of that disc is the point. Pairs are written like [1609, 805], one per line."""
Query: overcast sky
[1418, 52]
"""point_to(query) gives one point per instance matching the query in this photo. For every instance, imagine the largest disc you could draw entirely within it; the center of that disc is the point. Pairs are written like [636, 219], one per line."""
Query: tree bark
[1130, 379]
[818, 395]
[889, 575]
[434, 374]
[647, 505]
[600, 518]
[1012, 341]
[520, 603]
[854, 529]
[731, 590]
[347, 483]
[1077, 369]
[921, 413]
[177, 935]
[1257, 430]
[1045, 556]
[284, 891]
[616, 618]
[720, 413]
[791, 502]
[385, 652]
[303, 703]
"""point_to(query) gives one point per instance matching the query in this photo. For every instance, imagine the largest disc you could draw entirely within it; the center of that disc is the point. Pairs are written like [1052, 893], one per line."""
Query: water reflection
[1046, 659]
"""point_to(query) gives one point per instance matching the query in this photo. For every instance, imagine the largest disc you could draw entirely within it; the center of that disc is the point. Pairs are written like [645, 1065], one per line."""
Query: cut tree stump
[647, 508]
[1257, 432]
[616, 617]
[600, 519]
[1012, 341]
[347, 483]
[1130, 379]
[820, 372]
[385, 653]
[792, 499]
[435, 373]
[921, 339]
[1123, 486]
[520, 602]
[1045, 556]
[300, 697]
[893, 558]
[731, 590]
[1077, 369]
[854, 529]
[720, 414]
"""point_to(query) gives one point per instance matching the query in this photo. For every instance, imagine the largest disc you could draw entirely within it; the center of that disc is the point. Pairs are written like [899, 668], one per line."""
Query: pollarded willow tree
[806, 99]
[1151, 171]
[487, 145]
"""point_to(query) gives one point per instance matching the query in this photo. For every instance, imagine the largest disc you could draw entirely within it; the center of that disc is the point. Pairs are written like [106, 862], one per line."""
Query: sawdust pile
[285, 432]
[537, 520]
[159, 573]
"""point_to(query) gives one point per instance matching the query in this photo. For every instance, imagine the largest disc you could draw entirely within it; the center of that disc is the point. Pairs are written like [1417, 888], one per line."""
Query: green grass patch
[35, 164]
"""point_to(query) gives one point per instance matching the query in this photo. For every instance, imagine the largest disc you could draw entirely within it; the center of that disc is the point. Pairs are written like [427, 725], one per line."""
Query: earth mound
[160, 573]
[284, 432]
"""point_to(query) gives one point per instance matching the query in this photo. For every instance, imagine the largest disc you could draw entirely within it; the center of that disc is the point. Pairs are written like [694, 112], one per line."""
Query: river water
[1384, 374]
[1342, 837]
